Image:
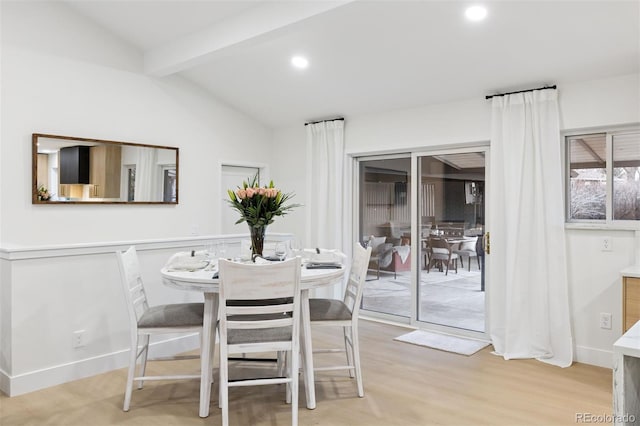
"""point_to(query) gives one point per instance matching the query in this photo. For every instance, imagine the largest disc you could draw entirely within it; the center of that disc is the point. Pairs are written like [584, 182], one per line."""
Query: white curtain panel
[528, 295]
[325, 180]
[147, 175]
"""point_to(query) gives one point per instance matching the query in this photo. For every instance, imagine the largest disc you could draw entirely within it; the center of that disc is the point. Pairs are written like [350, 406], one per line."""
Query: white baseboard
[59, 374]
[56, 375]
[592, 356]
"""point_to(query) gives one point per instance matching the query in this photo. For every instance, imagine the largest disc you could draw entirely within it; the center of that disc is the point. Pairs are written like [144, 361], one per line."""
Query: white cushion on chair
[374, 242]
[238, 336]
[174, 315]
[328, 310]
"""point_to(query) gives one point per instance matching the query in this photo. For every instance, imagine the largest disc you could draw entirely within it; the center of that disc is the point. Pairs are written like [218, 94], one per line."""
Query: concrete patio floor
[453, 300]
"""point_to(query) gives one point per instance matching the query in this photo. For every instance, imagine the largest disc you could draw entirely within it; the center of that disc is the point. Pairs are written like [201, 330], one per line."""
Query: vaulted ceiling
[371, 56]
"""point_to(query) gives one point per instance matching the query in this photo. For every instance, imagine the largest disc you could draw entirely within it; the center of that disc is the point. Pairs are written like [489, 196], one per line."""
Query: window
[604, 176]
[169, 184]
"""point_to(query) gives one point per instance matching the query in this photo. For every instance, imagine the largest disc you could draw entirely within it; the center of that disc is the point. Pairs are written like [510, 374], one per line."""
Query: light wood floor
[404, 385]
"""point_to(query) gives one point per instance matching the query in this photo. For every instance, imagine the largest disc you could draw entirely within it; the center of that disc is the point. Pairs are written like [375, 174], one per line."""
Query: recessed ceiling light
[476, 13]
[300, 62]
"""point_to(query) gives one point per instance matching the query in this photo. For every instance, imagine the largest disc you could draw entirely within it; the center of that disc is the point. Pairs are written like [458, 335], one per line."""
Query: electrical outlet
[79, 339]
[606, 244]
[605, 320]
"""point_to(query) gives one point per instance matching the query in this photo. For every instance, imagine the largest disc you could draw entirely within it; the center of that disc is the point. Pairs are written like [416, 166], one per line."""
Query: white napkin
[261, 261]
[185, 262]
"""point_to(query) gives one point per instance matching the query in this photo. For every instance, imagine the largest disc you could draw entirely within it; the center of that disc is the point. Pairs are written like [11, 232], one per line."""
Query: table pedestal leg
[307, 351]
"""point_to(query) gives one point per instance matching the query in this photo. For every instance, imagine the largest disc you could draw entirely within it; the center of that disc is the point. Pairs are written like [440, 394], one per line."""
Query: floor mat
[443, 342]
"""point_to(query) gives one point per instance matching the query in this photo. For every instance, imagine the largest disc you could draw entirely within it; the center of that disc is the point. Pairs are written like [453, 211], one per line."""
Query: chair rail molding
[49, 292]
[80, 249]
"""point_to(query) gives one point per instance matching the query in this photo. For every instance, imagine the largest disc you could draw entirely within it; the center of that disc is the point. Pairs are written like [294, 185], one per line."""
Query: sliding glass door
[451, 284]
[385, 224]
[423, 214]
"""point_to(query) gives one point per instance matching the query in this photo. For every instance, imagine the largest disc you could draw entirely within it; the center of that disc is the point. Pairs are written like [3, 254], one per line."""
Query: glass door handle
[487, 243]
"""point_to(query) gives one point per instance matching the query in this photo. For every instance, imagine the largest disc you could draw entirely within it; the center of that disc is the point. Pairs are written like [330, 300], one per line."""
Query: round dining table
[206, 282]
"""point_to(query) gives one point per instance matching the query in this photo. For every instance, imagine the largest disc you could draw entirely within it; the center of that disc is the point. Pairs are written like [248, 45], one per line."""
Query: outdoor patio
[454, 300]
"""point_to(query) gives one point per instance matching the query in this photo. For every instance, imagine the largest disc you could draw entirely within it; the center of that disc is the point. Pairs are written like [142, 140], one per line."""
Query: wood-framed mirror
[74, 170]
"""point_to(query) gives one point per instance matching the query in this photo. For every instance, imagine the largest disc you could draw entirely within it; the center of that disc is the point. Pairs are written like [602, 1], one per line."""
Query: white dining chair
[344, 313]
[146, 320]
[260, 312]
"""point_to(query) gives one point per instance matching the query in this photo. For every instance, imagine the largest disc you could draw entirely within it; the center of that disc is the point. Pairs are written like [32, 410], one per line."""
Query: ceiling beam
[250, 26]
[590, 150]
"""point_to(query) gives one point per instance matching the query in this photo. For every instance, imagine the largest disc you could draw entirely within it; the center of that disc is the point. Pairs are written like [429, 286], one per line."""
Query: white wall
[55, 81]
[595, 284]
[63, 75]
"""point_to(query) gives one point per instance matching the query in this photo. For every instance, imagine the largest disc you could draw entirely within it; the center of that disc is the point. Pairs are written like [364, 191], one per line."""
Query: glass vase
[257, 240]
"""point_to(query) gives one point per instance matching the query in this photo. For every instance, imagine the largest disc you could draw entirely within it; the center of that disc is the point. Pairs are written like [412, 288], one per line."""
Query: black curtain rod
[520, 91]
[322, 121]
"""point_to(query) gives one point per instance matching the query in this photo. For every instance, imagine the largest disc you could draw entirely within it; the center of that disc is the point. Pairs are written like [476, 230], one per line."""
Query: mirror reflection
[80, 170]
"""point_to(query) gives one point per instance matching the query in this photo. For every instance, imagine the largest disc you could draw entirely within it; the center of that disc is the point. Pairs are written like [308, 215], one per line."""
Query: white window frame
[608, 222]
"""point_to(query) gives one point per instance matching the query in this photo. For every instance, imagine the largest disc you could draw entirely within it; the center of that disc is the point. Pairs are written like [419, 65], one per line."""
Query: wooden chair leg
[348, 348]
[223, 394]
[356, 359]
[143, 358]
[288, 372]
[133, 358]
[293, 375]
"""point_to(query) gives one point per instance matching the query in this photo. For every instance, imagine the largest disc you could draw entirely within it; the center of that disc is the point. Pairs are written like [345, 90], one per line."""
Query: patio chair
[440, 252]
[468, 249]
[380, 253]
